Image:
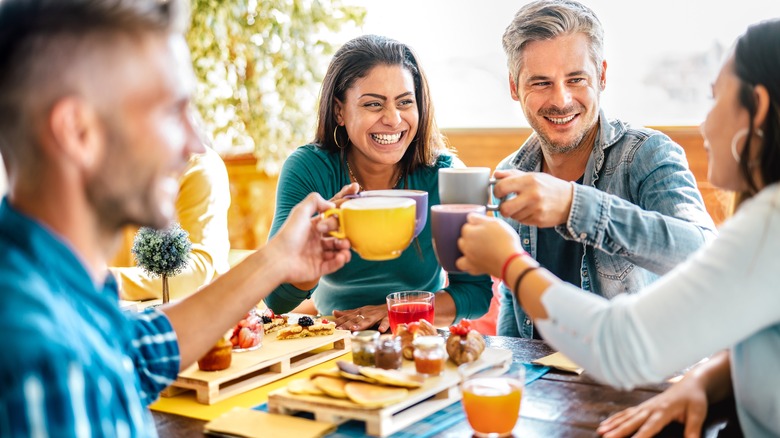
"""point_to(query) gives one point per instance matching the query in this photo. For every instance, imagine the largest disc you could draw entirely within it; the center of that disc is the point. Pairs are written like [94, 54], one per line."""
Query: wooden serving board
[435, 394]
[250, 369]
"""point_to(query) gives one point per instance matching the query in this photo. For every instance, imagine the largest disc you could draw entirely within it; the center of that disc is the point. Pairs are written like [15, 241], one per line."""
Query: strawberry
[462, 328]
[458, 330]
[246, 338]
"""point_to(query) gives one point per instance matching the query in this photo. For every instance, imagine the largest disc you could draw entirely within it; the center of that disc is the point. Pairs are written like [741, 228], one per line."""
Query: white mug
[466, 185]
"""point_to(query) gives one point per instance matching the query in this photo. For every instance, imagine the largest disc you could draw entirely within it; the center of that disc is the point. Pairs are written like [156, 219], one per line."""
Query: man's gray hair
[547, 19]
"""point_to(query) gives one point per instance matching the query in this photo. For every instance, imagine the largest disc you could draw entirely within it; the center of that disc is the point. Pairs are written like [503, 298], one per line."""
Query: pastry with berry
[273, 322]
[464, 343]
[306, 327]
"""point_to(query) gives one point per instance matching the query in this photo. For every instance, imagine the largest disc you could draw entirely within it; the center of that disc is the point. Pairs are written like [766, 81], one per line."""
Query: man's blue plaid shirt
[72, 364]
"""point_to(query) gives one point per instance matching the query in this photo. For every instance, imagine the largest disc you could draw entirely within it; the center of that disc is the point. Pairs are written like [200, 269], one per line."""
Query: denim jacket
[638, 214]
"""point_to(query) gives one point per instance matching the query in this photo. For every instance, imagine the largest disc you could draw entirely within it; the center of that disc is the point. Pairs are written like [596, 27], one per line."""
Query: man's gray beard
[558, 149]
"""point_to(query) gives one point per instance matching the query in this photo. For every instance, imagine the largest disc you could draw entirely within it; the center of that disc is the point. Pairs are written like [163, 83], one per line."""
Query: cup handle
[340, 234]
[492, 207]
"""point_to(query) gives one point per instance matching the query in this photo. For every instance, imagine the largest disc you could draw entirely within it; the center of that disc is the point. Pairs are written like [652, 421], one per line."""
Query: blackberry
[267, 319]
[305, 321]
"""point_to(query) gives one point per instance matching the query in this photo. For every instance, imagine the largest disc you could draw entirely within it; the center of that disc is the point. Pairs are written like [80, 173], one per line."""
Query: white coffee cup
[466, 185]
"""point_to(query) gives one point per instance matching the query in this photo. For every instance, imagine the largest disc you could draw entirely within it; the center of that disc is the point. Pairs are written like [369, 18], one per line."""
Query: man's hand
[540, 199]
[486, 242]
[303, 244]
[363, 318]
[684, 402]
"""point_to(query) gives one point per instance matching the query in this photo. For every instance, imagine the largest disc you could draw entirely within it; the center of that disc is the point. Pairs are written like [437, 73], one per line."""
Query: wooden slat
[249, 370]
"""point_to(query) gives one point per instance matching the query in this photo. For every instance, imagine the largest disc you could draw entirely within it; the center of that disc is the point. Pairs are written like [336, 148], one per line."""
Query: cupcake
[218, 358]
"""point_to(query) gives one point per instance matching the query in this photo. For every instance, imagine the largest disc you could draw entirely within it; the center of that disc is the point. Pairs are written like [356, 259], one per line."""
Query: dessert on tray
[248, 333]
[464, 344]
[273, 322]
[218, 358]
[306, 327]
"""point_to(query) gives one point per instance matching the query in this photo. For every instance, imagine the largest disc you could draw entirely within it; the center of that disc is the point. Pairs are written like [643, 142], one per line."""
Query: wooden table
[557, 405]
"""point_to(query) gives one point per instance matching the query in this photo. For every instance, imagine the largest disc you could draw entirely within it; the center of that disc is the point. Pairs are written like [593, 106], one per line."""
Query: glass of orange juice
[492, 399]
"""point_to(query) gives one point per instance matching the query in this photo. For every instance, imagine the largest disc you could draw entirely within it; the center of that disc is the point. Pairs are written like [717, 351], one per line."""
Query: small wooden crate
[435, 394]
[251, 369]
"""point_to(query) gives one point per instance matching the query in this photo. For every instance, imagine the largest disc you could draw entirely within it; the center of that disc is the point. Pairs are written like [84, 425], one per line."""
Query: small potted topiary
[162, 252]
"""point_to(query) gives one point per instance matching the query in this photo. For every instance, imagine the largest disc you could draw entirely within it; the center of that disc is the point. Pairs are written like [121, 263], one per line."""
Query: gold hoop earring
[741, 133]
[336, 139]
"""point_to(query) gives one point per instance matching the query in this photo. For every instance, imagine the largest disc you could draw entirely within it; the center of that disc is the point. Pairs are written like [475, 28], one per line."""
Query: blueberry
[305, 321]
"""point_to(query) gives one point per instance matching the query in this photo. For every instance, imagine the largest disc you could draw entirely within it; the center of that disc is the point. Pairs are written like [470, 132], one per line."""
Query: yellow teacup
[379, 228]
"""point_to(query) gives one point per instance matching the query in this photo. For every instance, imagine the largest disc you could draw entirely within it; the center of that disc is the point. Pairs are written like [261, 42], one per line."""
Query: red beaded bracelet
[507, 262]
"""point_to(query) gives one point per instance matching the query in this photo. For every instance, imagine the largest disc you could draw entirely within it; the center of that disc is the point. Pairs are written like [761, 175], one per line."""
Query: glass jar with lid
[364, 347]
[429, 355]
[388, 352]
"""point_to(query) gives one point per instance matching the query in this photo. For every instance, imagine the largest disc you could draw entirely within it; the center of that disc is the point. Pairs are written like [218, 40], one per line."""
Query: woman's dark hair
[353, 61]
[757, 62]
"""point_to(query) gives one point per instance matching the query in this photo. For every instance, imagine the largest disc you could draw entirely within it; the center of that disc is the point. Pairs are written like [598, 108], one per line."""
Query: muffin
[218, 358]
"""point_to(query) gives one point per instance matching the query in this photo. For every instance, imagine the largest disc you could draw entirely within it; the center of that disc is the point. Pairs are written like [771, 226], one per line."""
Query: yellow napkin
[559, 362]
[248, 423]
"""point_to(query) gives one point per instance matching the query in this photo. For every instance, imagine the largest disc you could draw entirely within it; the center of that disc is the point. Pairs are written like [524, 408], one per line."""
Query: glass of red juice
[409, 306]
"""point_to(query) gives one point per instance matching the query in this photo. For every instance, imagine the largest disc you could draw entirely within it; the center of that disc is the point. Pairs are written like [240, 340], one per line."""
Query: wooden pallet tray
[435, 394]
[251, 369]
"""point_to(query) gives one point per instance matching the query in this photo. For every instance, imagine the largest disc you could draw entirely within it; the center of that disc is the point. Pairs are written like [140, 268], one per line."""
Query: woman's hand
[486, 243]
[347, 190]
[362, 318]
[684, 402]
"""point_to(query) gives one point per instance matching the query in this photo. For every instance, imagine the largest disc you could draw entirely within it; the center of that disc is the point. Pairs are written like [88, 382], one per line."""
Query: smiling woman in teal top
[375, 131]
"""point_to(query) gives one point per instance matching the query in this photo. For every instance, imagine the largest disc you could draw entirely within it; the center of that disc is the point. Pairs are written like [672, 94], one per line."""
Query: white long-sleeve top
[727, 295]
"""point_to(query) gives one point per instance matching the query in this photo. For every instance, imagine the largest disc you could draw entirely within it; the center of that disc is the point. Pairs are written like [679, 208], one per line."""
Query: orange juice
[492, 404]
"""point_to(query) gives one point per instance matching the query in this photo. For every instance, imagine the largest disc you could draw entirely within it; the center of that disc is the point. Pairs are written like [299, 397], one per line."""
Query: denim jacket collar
[606, 213]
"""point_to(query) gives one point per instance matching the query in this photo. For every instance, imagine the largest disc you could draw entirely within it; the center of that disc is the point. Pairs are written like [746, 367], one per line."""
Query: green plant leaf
[259, 65]
[162, 252]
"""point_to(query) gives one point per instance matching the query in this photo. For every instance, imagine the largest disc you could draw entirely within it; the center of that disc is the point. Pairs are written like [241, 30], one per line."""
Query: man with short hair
[601, 204]
[94, 129]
